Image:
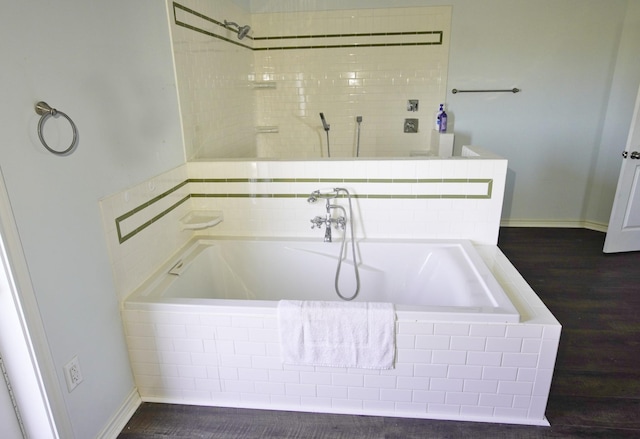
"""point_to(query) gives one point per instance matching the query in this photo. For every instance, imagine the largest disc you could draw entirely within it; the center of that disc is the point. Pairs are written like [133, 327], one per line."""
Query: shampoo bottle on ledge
[443, 122]
[438, 113]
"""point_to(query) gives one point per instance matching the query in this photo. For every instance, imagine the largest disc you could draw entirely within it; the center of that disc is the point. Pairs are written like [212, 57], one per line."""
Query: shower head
[242, 31]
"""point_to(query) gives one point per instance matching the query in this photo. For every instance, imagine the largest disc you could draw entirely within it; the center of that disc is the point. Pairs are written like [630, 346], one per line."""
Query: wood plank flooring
[596, 385]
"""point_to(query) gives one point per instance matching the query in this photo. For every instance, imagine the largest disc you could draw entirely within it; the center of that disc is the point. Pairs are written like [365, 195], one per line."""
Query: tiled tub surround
[364, 62]
[448, 370]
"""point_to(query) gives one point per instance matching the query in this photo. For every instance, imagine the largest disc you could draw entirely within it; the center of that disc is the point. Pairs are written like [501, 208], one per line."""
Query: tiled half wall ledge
[457, 198]
[141, 217]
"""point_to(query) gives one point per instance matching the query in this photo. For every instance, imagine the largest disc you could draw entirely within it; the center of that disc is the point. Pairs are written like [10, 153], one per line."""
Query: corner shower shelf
[201, 219]
[266, 129]
[264, 84]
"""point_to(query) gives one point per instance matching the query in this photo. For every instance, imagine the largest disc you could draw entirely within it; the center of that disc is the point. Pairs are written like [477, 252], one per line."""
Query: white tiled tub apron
[208, 333]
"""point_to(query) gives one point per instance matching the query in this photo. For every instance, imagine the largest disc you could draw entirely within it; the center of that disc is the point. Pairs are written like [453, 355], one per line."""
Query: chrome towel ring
[44, 110]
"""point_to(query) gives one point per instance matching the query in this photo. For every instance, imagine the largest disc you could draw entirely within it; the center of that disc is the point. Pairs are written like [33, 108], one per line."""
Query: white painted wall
[563, 55]
[577, 65]
[108, 65]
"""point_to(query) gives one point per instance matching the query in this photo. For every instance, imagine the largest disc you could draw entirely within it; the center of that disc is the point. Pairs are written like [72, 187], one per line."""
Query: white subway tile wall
[346, 82]
[349, 63]
[213, 75]
[391, 210]
[134, 259]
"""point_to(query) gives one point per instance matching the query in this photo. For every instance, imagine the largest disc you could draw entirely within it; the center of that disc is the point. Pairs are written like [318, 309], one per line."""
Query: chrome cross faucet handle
[317, 222]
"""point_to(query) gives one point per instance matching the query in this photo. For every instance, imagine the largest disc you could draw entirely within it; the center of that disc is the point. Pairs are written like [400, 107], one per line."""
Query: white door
[623, 234]
[23, 341]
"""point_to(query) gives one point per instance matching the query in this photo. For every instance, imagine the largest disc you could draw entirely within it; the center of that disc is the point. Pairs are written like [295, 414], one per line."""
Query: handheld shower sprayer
[241, 30]
[326, 127]
[359, 121]
[324, 122]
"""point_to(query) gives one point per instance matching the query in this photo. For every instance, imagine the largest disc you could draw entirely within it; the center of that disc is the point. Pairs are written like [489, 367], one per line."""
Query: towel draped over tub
[337, 334]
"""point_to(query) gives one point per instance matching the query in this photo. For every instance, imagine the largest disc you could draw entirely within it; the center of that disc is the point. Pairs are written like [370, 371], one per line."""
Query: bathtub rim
[141, 298]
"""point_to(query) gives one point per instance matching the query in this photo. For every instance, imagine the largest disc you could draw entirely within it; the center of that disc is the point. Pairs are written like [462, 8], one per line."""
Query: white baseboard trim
[591, 225]
[121, 417]
[598, 227]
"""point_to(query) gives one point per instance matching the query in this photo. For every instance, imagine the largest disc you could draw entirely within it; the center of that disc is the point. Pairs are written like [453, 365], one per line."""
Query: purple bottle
[443, 122]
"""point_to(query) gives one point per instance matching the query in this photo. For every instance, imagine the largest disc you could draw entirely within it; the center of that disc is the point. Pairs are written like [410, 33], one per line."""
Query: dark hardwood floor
[596, 386]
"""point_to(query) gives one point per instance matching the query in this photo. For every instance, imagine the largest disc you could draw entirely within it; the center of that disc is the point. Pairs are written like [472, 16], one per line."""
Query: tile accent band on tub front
[482, 189]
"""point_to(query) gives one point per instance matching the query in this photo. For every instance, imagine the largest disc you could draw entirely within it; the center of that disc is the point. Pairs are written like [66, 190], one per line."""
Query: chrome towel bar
[44, 110]
[511, 90]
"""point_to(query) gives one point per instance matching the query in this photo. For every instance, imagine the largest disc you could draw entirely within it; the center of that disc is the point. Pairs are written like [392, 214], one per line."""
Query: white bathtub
[440, 280]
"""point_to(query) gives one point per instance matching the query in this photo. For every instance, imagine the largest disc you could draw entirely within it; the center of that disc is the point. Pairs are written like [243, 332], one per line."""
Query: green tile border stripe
[122, 238]
[337, 180]
[152, 201]
[364, 34]
[311, 46]
[359, 196]
[344, 46]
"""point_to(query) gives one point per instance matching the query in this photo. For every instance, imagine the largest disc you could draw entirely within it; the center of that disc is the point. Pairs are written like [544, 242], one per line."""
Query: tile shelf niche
[201, 219]
[264, 84]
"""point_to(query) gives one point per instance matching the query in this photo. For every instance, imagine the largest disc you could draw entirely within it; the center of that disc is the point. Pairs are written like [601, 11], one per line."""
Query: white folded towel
[338, 334]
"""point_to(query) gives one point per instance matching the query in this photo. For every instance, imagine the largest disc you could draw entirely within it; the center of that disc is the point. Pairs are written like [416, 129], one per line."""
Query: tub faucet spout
[327, 233]
[327, 223]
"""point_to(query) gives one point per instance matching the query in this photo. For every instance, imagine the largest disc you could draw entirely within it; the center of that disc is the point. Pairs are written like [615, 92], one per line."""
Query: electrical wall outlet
[72, 373]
